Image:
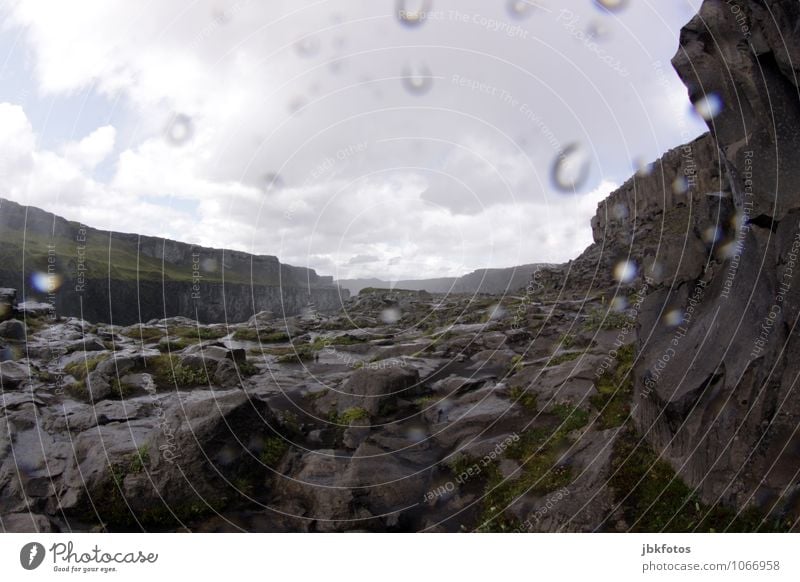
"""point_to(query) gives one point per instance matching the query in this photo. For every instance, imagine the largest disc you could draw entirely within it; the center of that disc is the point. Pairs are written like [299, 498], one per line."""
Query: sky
[362, 138]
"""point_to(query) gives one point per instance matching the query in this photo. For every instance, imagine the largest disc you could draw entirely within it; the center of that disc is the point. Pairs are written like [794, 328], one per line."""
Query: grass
[538, 452]
[108, 256]
[524, 398]
[654, 499]
[600, 318]
[82, 368]
[274, 450]
[614, 392]
[351, 415]
[246, 368]
[168, 371]
[248, 334]
[562, 358]
[140, 460]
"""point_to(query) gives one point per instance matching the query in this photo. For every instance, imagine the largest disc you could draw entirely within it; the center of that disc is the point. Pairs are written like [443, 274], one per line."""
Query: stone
[13, 374]
[368, 388]
[13, 329]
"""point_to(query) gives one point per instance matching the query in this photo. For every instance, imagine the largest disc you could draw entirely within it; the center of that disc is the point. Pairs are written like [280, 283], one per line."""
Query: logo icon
[31, 555]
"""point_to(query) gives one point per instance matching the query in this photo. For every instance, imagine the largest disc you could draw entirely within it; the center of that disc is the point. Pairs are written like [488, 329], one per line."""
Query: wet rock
[13, 329]
[13, 374]
[369, 388]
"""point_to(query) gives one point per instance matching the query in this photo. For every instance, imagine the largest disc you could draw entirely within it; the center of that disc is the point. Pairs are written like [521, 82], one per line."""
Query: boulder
[368, 388]
[13, 329]
[13, 374]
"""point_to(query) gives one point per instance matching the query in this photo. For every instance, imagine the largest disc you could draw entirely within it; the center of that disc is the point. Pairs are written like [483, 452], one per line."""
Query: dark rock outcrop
[717, 373]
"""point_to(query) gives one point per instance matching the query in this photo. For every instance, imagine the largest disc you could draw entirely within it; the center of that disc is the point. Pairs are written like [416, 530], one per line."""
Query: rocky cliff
[716, 372]
[126, 278]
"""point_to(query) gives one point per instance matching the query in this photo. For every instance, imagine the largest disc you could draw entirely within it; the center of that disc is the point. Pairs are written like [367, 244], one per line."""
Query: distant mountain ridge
[494, 281]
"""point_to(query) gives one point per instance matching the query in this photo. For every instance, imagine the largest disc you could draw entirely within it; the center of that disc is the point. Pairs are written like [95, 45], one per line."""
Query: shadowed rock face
[718, 392]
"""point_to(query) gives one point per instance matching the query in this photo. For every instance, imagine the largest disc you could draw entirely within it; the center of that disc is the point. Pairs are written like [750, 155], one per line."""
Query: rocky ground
[405, 412]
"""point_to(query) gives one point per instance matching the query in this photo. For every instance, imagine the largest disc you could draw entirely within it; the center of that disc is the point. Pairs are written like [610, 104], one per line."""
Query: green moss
[614, 391]
[539, 453]
[263, 336]
[653, 498]
[82, 368]
[561, 358]
[246, 368]
[168, 372]
[274, 450]
[523, 397]
[567, 341]
[517, 363]
[140, 460]
[351, 415]
[600, 318]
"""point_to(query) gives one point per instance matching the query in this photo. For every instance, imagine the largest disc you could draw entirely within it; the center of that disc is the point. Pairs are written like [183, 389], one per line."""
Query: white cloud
[429, 185]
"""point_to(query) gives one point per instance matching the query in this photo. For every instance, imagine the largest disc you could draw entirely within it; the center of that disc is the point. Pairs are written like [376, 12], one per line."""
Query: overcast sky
[352, 136]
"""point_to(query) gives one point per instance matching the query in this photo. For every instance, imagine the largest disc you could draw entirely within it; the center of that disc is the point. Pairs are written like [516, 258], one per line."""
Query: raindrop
[597, 30]
[391, 315]
[680, 185]
[46, 282]
[307, 47]
[619, 304]
[297, 103]
[711, 235]
[728, 251]
[520, 9]
[209, 265]
[625, 271]
[417, 81]
[655, 270]
[570, 168]
[643, 167]
[272, 182]
[496, 312]
[673, 318]
[416, 434]
[709, 106]
[619, 211]
[179, 130]
[612, 5]
[412, 17]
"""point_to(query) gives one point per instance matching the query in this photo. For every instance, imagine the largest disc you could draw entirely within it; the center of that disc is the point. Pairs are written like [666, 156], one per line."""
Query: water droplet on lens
[416, 434]
[709, 106]
[727, 251]
[619, 211]
[520, 9]
[496, 312]
[680, 185]
[391, 315]
[625, 271]
[619, 304]
[643, 167]
[417, 81]
[179, 130]
[297, 103]
[307, 46]
[209, 265]
[711, 235]
[571, 168]
[46, 282]
[597, 30]
[612, 5]
[412, 14]
[673, 318]
[272, 182]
